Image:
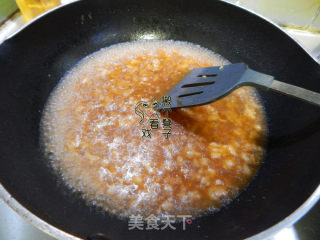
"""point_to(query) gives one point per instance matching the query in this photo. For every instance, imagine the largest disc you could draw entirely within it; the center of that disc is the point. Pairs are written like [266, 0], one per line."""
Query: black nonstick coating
[33, 61]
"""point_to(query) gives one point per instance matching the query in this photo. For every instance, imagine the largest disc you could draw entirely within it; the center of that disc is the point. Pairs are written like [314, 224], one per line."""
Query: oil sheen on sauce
[93, 137]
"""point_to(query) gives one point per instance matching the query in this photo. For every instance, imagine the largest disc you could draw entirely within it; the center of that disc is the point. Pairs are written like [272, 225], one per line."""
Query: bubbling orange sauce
[94, 138]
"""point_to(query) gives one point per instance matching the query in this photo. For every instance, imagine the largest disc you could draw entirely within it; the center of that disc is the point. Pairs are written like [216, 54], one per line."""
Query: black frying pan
[33, 61]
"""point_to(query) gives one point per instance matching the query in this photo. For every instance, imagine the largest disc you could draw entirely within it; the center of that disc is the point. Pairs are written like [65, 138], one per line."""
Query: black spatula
[205, 85]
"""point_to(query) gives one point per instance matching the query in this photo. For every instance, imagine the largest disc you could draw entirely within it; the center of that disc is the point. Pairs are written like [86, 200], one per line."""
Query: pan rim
[32, 218]
[60, 234]
[224, 1]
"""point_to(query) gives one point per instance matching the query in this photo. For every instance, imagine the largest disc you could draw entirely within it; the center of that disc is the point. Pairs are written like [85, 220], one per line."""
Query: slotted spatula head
[205, 85]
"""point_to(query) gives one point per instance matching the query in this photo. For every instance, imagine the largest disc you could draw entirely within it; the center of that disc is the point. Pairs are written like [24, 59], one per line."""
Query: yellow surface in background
[32, 8]
[294, 13]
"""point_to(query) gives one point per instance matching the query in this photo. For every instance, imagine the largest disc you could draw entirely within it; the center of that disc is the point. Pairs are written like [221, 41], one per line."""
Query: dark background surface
[308, 228]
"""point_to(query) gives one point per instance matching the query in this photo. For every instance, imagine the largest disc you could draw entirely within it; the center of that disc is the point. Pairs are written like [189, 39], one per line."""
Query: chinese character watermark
[153, 222]
[135, 221]
[150, 118]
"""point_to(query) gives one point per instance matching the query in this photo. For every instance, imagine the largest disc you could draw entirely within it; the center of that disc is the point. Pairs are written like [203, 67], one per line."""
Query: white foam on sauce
[93, 135]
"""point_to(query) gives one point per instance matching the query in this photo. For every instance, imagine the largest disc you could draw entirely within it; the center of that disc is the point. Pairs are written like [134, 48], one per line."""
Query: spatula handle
[264, 81]
[298, 92]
